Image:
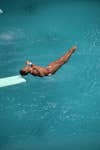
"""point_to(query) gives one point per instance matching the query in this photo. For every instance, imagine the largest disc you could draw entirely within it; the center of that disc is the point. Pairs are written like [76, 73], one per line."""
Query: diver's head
[25, 70]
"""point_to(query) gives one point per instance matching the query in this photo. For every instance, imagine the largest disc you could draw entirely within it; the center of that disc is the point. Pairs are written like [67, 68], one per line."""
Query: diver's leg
[64, 58]
[54, 66]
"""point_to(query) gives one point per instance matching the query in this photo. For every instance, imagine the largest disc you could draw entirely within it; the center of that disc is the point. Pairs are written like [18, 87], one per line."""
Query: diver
[50, 69]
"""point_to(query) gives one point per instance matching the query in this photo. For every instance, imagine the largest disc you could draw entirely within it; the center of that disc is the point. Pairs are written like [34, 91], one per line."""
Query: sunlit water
[61, 112]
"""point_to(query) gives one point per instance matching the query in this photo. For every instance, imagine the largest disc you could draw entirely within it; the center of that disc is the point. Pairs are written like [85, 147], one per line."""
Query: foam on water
[1, 11]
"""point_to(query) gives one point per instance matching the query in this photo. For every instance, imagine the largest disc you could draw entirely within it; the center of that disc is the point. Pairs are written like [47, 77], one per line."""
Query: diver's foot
[74, 48]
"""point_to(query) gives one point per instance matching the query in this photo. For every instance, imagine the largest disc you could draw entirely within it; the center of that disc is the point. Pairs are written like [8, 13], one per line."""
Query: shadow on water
[30, 7]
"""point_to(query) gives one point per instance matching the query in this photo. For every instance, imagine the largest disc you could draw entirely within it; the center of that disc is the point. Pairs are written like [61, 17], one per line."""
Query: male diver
[50, 69]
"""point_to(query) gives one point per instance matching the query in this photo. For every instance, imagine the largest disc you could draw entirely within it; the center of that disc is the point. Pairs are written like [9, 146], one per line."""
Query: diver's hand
[28, 62]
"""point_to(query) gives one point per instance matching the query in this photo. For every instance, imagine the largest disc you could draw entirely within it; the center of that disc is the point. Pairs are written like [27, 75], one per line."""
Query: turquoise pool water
[61, 112]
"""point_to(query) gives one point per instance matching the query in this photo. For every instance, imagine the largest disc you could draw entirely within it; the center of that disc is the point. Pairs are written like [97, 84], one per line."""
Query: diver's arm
[40, 73]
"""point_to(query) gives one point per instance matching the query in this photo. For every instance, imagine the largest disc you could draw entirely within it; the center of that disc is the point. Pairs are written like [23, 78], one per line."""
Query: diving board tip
[13, 80]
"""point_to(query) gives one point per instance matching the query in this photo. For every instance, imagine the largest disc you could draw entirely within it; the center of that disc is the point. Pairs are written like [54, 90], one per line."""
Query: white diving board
[13, 80]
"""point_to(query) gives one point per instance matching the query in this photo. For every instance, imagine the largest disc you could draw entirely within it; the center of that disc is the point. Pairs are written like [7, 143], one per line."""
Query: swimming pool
[62, 111]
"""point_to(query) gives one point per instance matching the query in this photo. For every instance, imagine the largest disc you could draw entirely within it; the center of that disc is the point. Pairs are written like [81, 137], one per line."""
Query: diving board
[13, 80]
